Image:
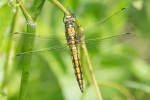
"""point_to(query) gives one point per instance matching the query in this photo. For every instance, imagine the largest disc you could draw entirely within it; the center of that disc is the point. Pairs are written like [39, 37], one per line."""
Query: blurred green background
[122, 71]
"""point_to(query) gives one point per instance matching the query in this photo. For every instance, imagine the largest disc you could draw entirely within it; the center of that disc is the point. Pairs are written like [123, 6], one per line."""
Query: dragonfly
[50, 46]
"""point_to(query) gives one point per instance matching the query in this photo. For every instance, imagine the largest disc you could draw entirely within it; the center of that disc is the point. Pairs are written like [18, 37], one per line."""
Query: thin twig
[91, 70]
[84, 68]
[26, 15]
[59, 5]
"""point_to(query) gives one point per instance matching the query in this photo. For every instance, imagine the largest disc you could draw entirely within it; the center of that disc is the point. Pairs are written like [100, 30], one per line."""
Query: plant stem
[59, 5]
[26, 15]
[91, 70]
[31, 28]
[27, 61]
[63, 9]
[83, 67]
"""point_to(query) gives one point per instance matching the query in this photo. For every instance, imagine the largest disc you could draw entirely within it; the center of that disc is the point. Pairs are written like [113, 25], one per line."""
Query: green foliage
[122, 71]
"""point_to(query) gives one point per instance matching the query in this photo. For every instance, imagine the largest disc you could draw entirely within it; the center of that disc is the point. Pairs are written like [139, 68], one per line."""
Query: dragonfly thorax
[69, 21]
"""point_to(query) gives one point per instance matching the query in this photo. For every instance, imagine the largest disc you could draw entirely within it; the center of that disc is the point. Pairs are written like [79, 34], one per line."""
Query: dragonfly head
[68, 18]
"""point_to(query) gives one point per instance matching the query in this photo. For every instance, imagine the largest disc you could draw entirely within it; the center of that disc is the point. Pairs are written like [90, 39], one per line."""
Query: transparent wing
[104, 43]
[40, 41]
[102, 26]
[51, 54]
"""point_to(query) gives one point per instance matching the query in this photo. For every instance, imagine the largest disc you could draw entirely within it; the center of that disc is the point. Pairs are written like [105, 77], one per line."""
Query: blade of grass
[31, 28]
[38, 9]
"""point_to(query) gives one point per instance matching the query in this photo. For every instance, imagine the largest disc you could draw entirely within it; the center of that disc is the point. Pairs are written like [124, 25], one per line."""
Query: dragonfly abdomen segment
[76, 61]
[77, 67]
[72, 40]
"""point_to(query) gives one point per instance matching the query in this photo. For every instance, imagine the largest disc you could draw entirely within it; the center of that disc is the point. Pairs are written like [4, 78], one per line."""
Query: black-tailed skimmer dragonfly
[72, 40]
